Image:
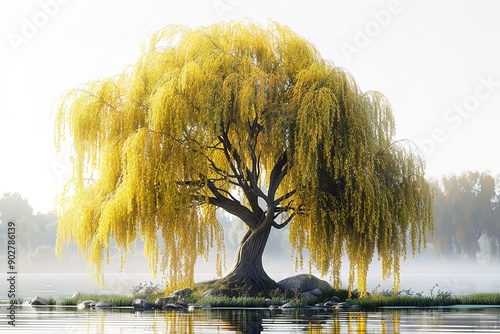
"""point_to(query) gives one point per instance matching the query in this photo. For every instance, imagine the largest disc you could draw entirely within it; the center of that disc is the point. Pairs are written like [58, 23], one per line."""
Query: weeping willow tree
[250, 120]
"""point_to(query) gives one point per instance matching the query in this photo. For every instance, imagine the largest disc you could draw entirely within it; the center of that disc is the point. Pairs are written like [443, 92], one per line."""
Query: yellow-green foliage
[146, 142]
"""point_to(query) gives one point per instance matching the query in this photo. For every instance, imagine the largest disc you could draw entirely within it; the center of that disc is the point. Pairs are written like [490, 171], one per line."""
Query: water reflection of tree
[254, 321]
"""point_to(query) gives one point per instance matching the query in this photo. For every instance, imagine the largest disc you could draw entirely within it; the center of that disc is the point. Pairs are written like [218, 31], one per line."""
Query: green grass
[113, 299]
[15, 301]
[378, 300]
[480, 299]
[408, 298]
[374, 300]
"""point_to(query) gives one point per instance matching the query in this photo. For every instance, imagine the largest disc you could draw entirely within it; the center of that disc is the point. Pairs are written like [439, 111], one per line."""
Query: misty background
[462, 255]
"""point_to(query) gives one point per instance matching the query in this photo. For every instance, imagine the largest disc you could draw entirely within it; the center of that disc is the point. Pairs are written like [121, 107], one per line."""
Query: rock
[102, 305]
[198, 307]
[307, 295]
[38, 301]
[160, 302]
[193, 307]
[86, 304]
[304, 283]
[341, 306]
[183, 305]
[174, 306]
[142, 305]
[220, 292]
[289, 305]
[330, 303]
[181, 293]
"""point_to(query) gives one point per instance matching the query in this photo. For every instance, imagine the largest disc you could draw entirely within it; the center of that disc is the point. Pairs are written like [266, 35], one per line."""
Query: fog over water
[419, 275]
[42, 274]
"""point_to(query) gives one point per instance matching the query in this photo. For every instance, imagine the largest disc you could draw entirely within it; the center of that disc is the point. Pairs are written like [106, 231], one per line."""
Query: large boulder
[38, 301]
[162, 301]
[304, 283]
[86, 304]
[102, 305]
[142, 305]
[179, 294]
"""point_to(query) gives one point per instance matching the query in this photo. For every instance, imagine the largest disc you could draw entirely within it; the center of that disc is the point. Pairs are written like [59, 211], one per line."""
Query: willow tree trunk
[248, 272]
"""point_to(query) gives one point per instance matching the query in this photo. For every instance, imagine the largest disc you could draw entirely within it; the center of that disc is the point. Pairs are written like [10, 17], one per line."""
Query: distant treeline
[467, 217]
[466, 212]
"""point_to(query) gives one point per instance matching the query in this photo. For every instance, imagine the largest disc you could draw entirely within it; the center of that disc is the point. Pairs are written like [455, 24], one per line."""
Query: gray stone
[102, 305]
[86, 304]
[289, 305]
[38, 301]
[335, 299]
[330, 303]
[181, 293]
[341, 306]
[174, 306]
[303, 283]
[317, 292]
[164, 301]
[307, 295]
[142, 305]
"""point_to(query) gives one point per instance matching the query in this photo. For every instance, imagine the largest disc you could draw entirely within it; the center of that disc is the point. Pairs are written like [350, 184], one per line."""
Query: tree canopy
[251, 120]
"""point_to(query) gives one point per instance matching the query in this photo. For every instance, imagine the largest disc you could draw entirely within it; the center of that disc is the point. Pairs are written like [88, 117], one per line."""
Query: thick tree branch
[285, 223]
[277, 174]
[232, 206]
[284, 197]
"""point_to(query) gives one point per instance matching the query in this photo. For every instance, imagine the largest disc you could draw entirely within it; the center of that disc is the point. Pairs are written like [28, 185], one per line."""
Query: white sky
[437, 62]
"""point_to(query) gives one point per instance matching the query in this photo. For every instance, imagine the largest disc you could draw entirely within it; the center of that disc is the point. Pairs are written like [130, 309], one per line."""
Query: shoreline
[373, 301]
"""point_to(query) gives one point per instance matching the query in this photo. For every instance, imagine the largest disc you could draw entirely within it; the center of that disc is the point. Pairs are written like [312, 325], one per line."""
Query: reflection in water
[70, 320]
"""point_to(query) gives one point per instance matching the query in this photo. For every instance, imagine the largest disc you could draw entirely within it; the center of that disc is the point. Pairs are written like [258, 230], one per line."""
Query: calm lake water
[70, 320]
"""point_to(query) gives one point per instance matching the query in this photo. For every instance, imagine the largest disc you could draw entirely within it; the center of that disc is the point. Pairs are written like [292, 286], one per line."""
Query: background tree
[250, 120]
[35, 234]
[466, 209]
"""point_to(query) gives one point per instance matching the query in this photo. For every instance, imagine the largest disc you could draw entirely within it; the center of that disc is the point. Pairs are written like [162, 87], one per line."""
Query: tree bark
[248, 274]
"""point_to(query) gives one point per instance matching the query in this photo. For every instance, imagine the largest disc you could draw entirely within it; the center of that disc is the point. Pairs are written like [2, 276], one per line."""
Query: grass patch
[225, 301]
[480, 299]
[113, 299]
[372, 301]
[15, 301]
[377, 300]
[408, 298]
